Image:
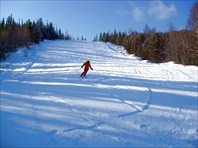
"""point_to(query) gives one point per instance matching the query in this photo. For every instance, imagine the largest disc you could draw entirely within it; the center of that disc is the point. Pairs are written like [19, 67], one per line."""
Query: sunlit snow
[123, 102]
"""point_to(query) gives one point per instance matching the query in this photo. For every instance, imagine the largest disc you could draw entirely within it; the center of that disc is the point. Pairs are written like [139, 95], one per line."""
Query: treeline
[179, 46]
[23, 34]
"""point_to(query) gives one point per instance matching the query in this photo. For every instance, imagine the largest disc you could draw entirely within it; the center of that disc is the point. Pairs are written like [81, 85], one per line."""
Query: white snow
[123, 102]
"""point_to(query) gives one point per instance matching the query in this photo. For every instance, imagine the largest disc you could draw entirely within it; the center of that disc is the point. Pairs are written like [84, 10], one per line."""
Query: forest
[178, 46]
[23, 34]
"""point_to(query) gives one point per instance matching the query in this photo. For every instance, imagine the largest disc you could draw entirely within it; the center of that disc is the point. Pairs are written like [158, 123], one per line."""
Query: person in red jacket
[87, 66]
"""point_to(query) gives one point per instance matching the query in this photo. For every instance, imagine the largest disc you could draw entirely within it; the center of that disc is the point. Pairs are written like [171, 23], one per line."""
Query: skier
[87, 66]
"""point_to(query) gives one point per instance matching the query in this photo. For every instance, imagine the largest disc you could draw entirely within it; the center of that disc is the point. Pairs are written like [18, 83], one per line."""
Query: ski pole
[78, 69]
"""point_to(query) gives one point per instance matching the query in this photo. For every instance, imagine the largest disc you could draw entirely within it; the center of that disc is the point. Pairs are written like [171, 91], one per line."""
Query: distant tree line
[23, 34]
[82, 38]
[179, 46]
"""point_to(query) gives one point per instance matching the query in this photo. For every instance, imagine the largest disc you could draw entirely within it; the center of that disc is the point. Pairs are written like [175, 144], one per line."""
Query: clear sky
[89, 18]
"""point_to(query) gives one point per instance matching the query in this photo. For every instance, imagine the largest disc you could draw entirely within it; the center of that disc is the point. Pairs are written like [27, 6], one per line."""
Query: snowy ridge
[123, 102]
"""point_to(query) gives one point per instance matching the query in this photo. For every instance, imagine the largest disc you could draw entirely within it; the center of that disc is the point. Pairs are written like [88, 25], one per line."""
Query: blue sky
[89, 18]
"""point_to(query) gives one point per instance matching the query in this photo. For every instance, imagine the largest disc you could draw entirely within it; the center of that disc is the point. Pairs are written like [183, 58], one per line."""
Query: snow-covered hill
[123, 102]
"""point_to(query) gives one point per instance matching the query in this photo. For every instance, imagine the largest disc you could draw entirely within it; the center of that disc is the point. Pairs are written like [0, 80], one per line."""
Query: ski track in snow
[123, 102]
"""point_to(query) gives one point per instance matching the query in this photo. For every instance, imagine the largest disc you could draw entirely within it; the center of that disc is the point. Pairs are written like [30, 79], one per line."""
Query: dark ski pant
[84, 72]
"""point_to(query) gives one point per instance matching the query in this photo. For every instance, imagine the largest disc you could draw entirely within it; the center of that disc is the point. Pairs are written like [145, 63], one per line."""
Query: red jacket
[87, 65]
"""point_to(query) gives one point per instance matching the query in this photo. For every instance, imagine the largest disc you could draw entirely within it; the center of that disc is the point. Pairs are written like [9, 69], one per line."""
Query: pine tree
[14, 35]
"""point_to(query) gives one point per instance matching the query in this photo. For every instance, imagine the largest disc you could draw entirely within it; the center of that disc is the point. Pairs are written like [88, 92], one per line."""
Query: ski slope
[123, 102]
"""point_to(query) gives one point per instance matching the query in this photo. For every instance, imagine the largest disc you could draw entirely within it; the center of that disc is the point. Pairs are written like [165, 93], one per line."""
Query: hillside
[124, 101]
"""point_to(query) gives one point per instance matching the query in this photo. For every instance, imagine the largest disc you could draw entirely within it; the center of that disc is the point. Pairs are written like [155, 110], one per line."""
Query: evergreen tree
[95, 38]
[14, 35]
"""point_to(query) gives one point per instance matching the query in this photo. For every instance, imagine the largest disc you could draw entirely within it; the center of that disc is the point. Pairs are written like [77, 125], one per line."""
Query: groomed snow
[123, 102]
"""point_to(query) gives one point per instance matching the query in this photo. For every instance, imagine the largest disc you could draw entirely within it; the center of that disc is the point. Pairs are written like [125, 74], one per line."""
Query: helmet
[88, 60]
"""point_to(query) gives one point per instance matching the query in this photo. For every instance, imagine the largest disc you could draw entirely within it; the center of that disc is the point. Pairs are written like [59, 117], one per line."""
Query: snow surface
[123, 102]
